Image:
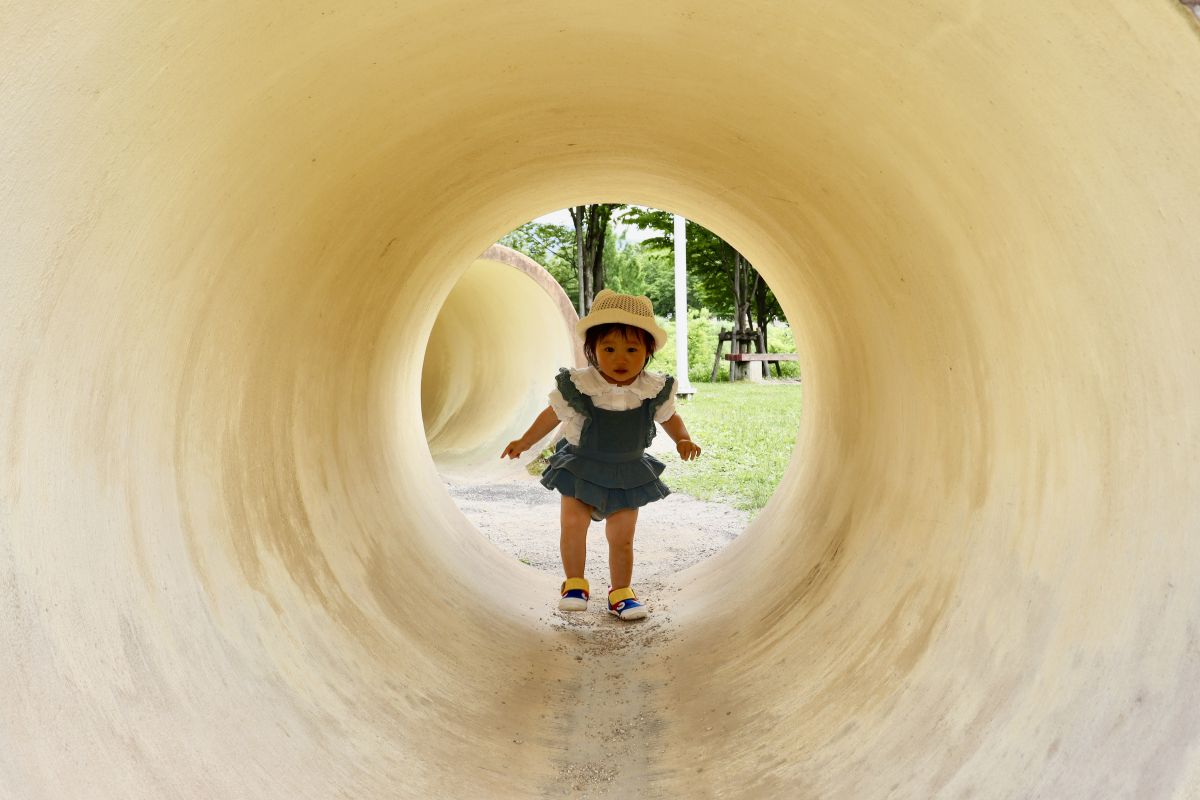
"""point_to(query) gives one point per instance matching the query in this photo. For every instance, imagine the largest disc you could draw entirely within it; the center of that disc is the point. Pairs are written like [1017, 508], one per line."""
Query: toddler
[600, 466]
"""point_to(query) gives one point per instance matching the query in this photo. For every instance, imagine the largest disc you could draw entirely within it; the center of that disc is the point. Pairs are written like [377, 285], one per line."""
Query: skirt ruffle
[611, 475]
[607, 487]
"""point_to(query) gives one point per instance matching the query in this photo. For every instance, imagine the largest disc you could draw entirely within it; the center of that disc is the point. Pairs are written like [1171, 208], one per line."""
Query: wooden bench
[745, 342]
[761, 357]
[764, 359]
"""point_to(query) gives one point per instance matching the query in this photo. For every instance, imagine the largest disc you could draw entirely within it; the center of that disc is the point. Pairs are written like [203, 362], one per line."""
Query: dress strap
[570, 392]
[664, 393]
[653, 404]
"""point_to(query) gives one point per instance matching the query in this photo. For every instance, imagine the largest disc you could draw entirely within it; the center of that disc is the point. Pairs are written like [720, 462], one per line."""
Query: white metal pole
[683, 385]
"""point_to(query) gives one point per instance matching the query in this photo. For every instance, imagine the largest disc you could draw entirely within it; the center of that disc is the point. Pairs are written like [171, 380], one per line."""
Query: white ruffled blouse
[610, 397]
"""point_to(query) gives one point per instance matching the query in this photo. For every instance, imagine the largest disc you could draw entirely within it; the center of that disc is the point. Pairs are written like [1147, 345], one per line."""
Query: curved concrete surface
[492, 353]
[228, 568]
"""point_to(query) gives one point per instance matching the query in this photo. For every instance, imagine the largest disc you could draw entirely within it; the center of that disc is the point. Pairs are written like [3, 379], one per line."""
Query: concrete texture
[228, 567]
[504, 318]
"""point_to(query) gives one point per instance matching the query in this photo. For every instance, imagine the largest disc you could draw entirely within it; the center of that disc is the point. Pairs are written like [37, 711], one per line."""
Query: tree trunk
[737, 369]
[597, 227]
[737, 296]
[750, 283]
[591, 227]
[760, 308]
[577, 219]
[745, 284]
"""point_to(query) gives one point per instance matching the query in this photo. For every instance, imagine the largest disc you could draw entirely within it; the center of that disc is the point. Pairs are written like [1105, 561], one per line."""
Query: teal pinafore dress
[609, 469]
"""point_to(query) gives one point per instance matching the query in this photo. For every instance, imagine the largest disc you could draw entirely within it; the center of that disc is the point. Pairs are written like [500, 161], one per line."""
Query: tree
[728, 284]
[658, 269]
[542, 242]
[624, 265]
[712, 262]
[719, 278]
[591, 228]
[552, 246]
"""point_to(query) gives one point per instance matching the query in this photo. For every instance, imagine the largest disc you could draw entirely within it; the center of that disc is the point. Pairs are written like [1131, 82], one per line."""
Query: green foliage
[552, 246]
[710, 260]
[702, 257]
[664, 359]
[781, 340]
[702, 332]
[543, 243]
[702, 345]
[702, 348]
[627, 265]
[658, 267]
[539, 464]
[649, 268]
[641, 268]
[623, 269]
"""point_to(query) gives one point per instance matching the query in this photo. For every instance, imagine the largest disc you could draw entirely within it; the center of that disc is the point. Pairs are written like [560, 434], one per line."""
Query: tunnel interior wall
[227, 232]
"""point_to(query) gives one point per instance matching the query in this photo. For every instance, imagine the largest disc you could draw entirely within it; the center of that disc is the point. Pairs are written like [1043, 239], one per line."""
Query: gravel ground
[520, 517]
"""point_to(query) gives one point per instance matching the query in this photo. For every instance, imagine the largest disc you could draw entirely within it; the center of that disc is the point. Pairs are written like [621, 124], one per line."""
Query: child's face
[620, 359]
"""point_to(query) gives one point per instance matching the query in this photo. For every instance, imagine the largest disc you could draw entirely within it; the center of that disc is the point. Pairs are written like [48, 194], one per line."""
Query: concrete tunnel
[228, 567]
[471, 391]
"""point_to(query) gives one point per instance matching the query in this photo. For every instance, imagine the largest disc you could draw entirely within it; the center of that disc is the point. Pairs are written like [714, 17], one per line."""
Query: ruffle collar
[645, 386]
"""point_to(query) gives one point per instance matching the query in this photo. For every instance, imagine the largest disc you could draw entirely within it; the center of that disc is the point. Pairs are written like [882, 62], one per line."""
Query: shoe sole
[572, 604]
[632, 614]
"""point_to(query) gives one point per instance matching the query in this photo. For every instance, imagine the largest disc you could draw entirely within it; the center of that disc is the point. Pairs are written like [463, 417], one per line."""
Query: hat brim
[611, 315]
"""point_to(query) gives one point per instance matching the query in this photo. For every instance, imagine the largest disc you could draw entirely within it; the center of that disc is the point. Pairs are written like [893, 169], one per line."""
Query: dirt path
[521, 518]
[609, 732]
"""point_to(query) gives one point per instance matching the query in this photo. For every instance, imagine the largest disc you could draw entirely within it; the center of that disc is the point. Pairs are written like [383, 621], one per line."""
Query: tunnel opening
[508, 324]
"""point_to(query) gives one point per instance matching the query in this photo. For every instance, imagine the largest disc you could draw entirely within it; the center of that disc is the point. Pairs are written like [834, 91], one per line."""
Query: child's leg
[619, 528]
[575, 518]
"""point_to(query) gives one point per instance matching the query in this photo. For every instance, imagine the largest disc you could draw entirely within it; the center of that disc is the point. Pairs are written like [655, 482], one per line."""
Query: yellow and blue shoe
[623, 603]
[575, 593]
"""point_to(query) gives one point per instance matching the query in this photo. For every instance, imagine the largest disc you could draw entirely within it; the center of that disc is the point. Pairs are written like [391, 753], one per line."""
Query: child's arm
[546, 422]
[677, 431]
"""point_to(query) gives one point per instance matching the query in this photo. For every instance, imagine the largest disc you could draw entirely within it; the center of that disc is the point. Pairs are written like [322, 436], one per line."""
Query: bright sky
[564, 218]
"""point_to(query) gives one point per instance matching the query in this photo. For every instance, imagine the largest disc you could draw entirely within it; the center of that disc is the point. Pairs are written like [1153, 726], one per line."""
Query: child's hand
[514, 449]
[687, 449]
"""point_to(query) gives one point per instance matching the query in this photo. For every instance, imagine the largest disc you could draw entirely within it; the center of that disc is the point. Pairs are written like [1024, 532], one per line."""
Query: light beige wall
[228, 567]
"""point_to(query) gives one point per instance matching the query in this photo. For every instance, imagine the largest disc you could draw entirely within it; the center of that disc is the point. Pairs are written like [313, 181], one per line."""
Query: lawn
[747, 431]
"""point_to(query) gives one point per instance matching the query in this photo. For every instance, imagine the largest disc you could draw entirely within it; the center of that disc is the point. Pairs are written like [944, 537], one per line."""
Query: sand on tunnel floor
[228, 567]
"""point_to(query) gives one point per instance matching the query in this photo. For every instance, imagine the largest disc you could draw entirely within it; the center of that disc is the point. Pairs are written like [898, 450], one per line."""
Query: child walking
[608, 411]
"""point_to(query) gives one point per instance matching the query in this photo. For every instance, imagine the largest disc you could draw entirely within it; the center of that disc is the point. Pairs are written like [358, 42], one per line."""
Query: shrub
[702, 347]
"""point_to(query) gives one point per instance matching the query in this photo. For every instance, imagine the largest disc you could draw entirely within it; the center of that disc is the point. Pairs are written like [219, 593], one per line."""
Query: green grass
[747, 432]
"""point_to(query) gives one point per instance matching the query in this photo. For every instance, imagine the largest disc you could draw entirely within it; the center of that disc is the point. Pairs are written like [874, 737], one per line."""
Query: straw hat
[626, 309]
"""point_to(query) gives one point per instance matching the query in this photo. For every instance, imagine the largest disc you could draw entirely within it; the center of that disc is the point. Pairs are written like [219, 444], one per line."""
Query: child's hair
[597, 332]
